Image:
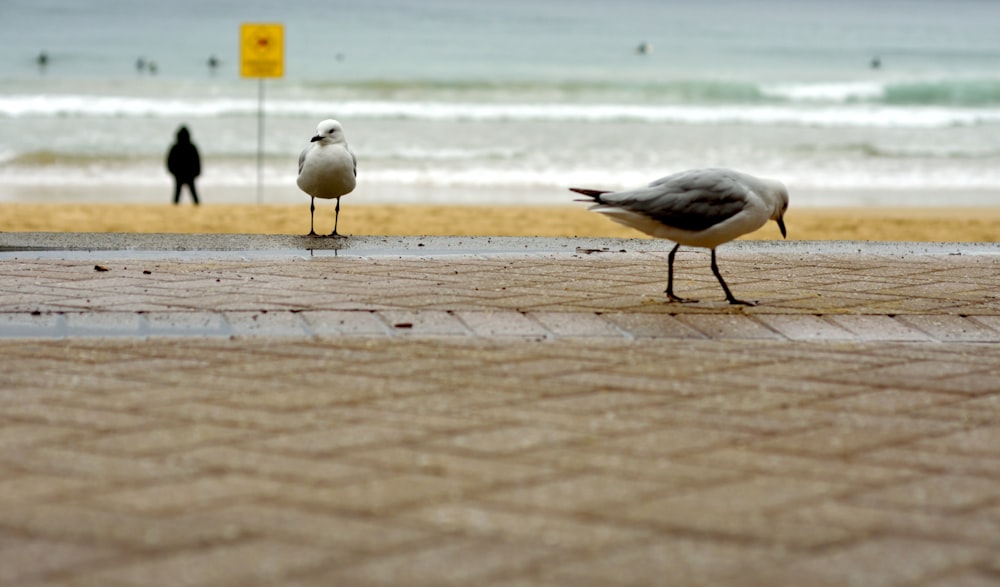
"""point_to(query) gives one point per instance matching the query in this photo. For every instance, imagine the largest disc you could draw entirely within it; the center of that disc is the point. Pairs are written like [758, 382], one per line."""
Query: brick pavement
[500, 419]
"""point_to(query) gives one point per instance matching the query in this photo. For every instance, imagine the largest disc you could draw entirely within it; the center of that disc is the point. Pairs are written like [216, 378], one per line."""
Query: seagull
[696, 208]
[327, 169]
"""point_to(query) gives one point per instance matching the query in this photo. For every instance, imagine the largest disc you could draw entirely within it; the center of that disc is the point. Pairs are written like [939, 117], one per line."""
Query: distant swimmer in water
[140, 64]
[644, 48]
[42, 60]
[213, 64]
[876, 62]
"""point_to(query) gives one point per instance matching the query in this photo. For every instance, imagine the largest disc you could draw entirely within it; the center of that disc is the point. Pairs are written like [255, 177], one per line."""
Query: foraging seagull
[327, 169]
[697, 208]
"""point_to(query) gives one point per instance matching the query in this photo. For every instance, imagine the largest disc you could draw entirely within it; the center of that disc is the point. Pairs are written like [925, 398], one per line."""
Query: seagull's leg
[312, 214]
[725, 288]
[336, 218]
[670, 278]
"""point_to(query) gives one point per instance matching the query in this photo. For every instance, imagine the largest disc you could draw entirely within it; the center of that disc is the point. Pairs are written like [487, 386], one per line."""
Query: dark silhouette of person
[184, 163]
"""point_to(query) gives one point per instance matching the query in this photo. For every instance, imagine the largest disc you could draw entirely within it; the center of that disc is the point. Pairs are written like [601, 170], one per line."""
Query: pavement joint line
[79, 324]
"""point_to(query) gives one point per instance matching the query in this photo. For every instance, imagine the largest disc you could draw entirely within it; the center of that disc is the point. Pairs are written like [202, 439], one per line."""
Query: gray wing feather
[689, 201]
[302, 158]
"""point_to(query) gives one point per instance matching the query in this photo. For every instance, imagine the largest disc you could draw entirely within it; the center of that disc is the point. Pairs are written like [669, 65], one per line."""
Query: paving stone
[509, 323]
[507, 440]
[686, 560]
[344, 537]
[978, 440]
[25, 325]
[265, 323]
[864, 563]
[345, 323]
[929, 460]
[102, 323]
[186, 324]
[675, 440]
[805, 327]
[576, 324]
[728, 326]
[889, 401]
[423, 323]
[938, 493]
[576, 494]
[879, 328]
[70, 523]
[380, 496]
[965, 578]
[434, 461]
[652, 325]
[28, 561]
[949, 328]
[78, 418]
[490, 521]
[744, 461]
[153, 440]
[318, 443]
[254, 562]
[450, 561]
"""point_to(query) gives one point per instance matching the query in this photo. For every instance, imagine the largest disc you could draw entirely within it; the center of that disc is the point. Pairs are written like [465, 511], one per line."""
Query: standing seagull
[327, 169]
[697, 208]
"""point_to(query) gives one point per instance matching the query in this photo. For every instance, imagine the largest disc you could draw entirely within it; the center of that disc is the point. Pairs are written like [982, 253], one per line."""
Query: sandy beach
[881, 224]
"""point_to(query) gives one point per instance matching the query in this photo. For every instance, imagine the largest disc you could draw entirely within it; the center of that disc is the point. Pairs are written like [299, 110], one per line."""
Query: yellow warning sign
[262, 50]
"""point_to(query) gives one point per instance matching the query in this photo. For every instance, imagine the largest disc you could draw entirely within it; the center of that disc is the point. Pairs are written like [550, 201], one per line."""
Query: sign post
[262, 55]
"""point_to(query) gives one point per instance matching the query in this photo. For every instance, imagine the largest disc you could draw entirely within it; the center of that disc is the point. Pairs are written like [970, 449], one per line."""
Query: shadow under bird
[327, 169]
[697, 208]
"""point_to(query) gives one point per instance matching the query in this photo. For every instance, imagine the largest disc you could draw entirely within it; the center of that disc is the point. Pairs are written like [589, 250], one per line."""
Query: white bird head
[779, 199]
[329, 131]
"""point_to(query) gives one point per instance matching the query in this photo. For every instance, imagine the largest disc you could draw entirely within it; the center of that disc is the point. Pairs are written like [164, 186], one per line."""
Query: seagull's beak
[781, 225]
[316, 138]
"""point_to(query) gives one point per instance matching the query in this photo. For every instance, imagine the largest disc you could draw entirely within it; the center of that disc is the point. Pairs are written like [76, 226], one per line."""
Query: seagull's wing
[355, 160]
[687, 201]
[302, 159]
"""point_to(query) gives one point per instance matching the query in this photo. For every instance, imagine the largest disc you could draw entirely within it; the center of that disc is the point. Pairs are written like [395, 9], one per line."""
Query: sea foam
[796, 114]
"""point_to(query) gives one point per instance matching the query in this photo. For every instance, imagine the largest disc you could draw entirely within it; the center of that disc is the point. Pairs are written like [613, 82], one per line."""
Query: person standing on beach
[184, 163]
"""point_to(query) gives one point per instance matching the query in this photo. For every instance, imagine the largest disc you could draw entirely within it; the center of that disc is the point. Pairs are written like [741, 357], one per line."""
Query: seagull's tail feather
[594, 195]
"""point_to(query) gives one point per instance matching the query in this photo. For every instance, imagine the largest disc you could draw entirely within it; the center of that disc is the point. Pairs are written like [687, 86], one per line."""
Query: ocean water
[462, 102]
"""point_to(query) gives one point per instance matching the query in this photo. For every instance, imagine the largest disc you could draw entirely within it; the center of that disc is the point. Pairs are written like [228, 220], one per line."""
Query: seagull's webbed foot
[737, 302]
[679, 300]
[313, 234]
[336, 234]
